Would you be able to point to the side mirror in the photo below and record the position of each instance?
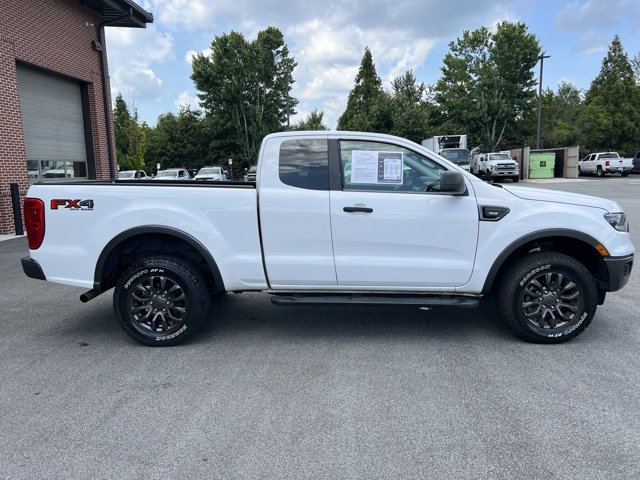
(453, 183)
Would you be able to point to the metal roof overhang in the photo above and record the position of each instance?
(120, 13)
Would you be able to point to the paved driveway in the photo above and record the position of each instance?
(268, 392)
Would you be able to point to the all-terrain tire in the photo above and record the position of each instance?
(547, 297)
(161, 301)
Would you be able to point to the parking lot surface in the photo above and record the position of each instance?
(335, 393)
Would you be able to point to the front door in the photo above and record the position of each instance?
(392, 228)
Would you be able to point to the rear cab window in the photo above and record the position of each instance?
(304, 163)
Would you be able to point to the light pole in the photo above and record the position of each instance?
(541, 58)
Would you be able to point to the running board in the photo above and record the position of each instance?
(336, 300)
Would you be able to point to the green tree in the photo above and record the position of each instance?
(122, 131)
(313, 121)
(560, 112)
(487, 86)
(246, 87)
(368, 107)
(410, 109)
(611, 115)
(178, 141)
(635, 64)
(130, 136)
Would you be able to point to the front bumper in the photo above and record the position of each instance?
(619, 270)
(32, 269)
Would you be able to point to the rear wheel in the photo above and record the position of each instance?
(600, 172)
(624, 174)
(547, 297)
(161, 301)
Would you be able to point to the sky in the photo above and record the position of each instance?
(151, 67)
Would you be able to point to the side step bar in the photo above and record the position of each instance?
(336, 300)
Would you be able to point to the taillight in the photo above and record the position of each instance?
(34, 221)
(607, 163)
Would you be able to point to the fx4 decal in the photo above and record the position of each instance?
(71, 204)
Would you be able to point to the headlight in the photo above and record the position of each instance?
(617, 221)
(492, 166)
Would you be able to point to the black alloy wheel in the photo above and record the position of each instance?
(161, 301)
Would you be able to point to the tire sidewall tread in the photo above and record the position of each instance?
(508, 291)
(193, 284)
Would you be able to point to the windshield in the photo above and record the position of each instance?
(499, 156)
(458, 156)
(210, 171)
(122, 175)
(166, 173)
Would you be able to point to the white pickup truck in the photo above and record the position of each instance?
(335, 218)
(605, 162)
(494, 165)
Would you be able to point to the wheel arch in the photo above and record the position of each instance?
(131, 245)
(575, 244)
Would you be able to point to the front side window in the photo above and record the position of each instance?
(384, 167)
(304, 163)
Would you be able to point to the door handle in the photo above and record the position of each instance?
(358, 209)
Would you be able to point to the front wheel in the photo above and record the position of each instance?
(161, 301)
(547, 297)
(515, 179)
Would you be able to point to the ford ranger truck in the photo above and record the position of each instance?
(335, 218)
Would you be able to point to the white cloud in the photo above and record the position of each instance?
(131, 53)
(187, 98)
(191, 14)
(188, 57)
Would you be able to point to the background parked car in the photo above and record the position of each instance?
(132, 175)
(636, 163)
(173, 174)
(215, 174)
(250, 176)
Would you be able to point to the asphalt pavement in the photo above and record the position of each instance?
(325, 393)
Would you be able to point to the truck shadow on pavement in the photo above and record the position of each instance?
(253, 314)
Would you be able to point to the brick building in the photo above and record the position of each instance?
(55, 103)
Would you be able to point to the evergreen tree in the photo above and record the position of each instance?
(368, 107)
(122, 131)
(611, 115)
(313, 121)
(410, 109)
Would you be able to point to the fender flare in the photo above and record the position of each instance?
(157, 229)
(516, 244)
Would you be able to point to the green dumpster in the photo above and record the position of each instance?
(541, 165)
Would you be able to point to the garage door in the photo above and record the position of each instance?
(53, 125)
